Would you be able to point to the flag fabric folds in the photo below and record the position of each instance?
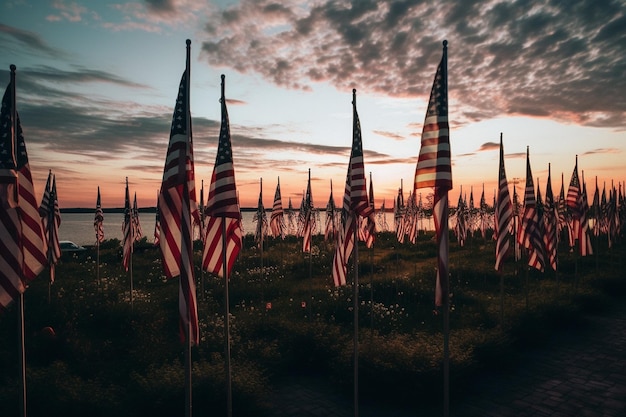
(98, 220)
(23, 252)
(308, 221)
(223, 205)
(504, 214)
(434, 168)
(137, 232)
(550, 219)
(51, 220)
(330, 231)
(260, 217)
(177, 204)
(157, 224)
(127, 231)
(355, 202)
(529, 234)
(573, 202)
(277, 221)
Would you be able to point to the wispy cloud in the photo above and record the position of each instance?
(600, 151)
(27, 39)
(505, 58)
(390, 135)
(489, 146)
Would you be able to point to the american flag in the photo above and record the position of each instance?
(177, 204)
(369, 226)
(504, 214)
(98, 220)
(529, 234)
(355, 201)
(222, 206)
(260, 217)
(127, 230)
(461, 221)
(277, 221)
(51, 220)
(573, 204)
(157, 223)
(331, 225)
(23, 249)
(434, 167)
(584, 240)
(550, 236)
(137, 232)
(308, 218)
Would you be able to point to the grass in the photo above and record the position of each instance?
(107, 358)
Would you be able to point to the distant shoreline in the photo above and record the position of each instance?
(121, 210)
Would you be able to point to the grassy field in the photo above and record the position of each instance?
(108, 359)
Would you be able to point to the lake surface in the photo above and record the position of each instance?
(78, 227)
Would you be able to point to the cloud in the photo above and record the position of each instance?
(489, 146)
(390, 135)
(28, 39)
(602, 151)
(552, 59)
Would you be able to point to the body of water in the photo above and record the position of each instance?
(78, 227)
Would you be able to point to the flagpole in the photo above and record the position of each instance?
(229, 397)
(355, 307)
(202, 238)
(310, 221)
(20, 323)
(229, 394)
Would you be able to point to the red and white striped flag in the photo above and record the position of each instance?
(550, 236)
(223, 205)
(137, 232)
(504, 214)
(369, 225)
(529, 234)
(573, 204)
(584, 238)
(127, 231)
(23, 249)
(434, 168)
(98, 220)
(331, 225)
(307, 216)
(260, 217)
(355, 201)
(50, 221)
(157, 224)
(277, 221)
(177, 203)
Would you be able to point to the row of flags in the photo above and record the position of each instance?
(28, 232)
(538, 229)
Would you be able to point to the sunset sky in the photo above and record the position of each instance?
(97, 83)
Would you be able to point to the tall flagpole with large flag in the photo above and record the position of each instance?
(21, 234)
(177, 205)
(355, 204)
(224, 234)
(434, 169)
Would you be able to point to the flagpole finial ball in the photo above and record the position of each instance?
(13, 67)
(445, 43)
(354, 91)
(223, 76)
(188, 42)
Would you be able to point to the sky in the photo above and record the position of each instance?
(97, 83)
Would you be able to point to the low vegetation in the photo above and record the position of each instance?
(90, 352)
